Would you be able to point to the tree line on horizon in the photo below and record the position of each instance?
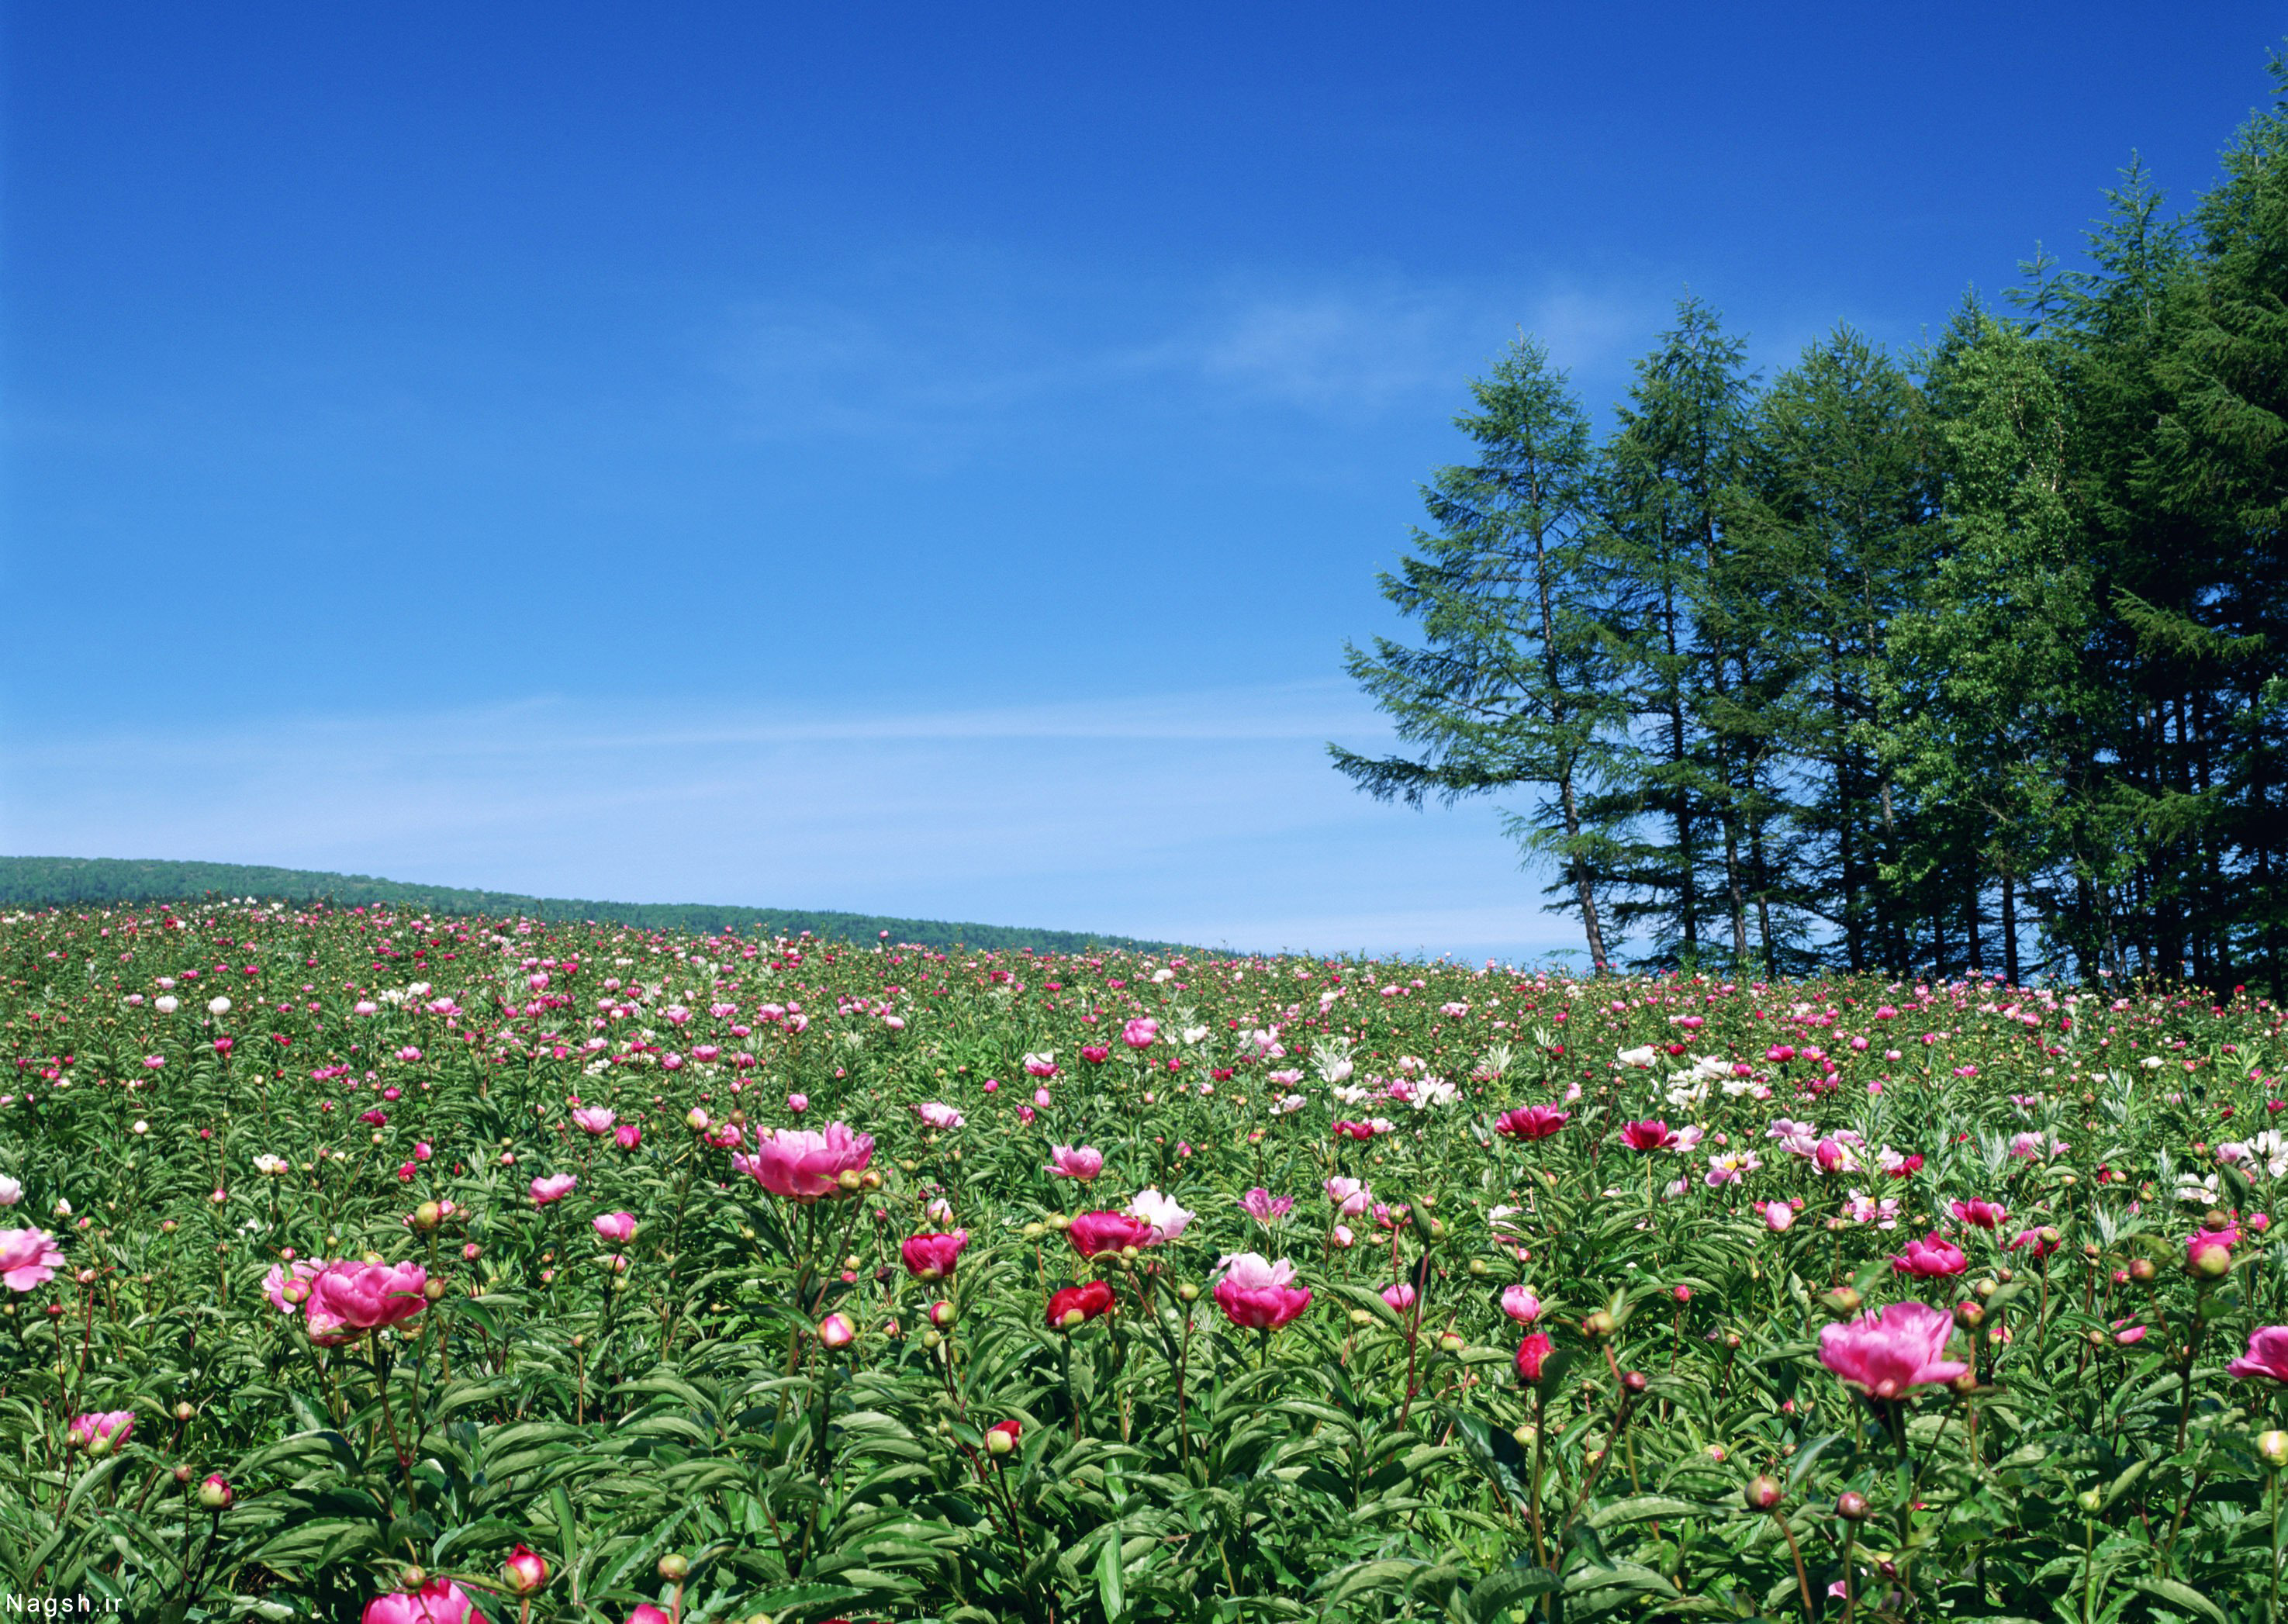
(57, 881)
(1970, 660)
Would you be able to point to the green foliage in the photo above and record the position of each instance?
(660, 1421)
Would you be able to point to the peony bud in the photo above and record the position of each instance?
(215, 1493)
(2273, 1446)
(674, 1568)
(836, 1331)
(1762, 1492)
(525, 1571)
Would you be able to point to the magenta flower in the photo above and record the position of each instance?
(1141, 1033)
(930, 1257)
(440, 1601)
(1930, 1257)
(1081, 1162)
(555, 1187)
(802, 1165)
(2267, 1355)
(1529, 1122)
(355, 1298)
(1260, 1205)
(1883, 1355)
(275, 1282)
(28, 1257)
(593, 1119)
(1399, 1295)
(102, 1432)
(614, 1226)
(1532, 1354)
(1094, 1233)
(1985, 1214)
(627, 1136)
(1257, 1294)
(1519, 1303)
(1654, 1135)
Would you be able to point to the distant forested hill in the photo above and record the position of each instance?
(58, 881)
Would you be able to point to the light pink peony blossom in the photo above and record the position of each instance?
(28, 1257)
(1260, 1205)
(614, 1226)
(1081, 1162)
(1883, 1355)
(1519, 1303)
(937, 1114)
(802, 1164)
(101, 1432)
(1929, 1257)
(555, 1187)
(593, 1119)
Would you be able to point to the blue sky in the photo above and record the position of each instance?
(898, 458)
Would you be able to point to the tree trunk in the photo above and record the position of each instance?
(2009, 928)
(1582, 889)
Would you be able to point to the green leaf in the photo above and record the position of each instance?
(1641, 1507)
(1108, 1591)
(2178, 1595)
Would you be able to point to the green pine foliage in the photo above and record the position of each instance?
(1975, 659)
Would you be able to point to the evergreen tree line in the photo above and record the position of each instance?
(1973, 660)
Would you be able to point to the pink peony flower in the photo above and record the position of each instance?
(593, 1119)
(1985, 1214)
(2267, 1355)
(28, 1257)
(1081, 1162)
(356, 1297)
(1168, 1220)
(937, 1114)
(555, 1187)
(930, 1257)
(614, 1226)
(627, 1136)
(1094, 1233)
(1883, 1355)
(440, 1601)
(1529, 1122)
(1257, 1294)
(803, 1165)
(1141, 1033)
(1399, 1295)
(1350, 1196)
(1519, 1303)
(102, 1432)
(1930, 1257)
(1778, 1216)
(1654, 1135)
(1260, 1205)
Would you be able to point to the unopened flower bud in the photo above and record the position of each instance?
(1851, 1505)
(2090, 1500)
(674, 1568)
(2142, 1270)
(2273, 1446)
(1762, 1492)
(1969, 1315)
(184, 1409)
(1634, 1380)
(215, 1493)
(1188, 1292)
(1599, 1324)
(941, 1312)
(182, 1472)
(427, 1216)
(1842, 1300)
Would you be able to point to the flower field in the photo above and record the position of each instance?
(361, 1264)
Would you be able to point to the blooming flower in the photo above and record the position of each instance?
(28, 1257)
(614, 1226)
(1653, 1135)
(1530, 1122)
(930, 1257)
(1075, 1305)
(555, 1187)
(1260, 1205)
(1350, 1196)
(1985, 1214)
(101, 1432)
(355, 1298)
(937, 1114)
(1168, 1220)
(1081, 1162)
(1399, 1295)
(1257, 1294)
(2267, 1355)
(1519, 1303)
(1884, 1355)
(1094, 1233)
(1930, 1257)
(592, 1120)
(803, 1165)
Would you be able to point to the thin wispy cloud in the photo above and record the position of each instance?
(963, 358)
